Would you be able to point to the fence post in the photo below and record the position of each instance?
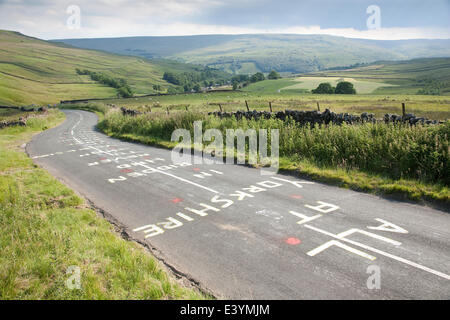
(246, 104)
(270, 106)
(318, 106)
(167, 110)
(187, 108)
(220, 107)
(403, 109)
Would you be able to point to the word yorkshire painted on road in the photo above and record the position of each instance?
(235, 147)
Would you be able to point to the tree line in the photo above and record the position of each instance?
(243, 80)
(123, 89)
(194, 81)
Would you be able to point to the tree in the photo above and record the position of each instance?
(324, 88)
(125, 92)
(240, 78)
(345, 87)
(188, 87)
(197, 87)
(173, 90)
(172, 78)
(273, 75)
(257, 77)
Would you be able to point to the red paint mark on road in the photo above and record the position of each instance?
(196, 169)
(176, 200)
(126, 170)
(296, 196)
(147, 157)
(102, 159)
(293, 241)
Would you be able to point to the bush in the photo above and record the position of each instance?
(345, 87)
(273, 75)
(257, 77)
(324, 88)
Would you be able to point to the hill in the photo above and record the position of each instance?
(416, 76)
(34, 71)
(281, 52)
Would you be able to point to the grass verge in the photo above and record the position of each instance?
(46, 228)
(99, 109)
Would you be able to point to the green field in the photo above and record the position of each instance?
(402, 77)
(305, 84)
(380, 89)
(433, 107)
(361, 86)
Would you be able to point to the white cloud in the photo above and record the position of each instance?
(116, 29)
(115, 18)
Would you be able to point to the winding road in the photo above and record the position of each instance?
(243, 235)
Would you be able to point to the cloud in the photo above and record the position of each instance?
(47, 19)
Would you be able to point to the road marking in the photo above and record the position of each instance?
(400, 259)
(185, 217)
(181, 179)
(202, 175)
(293, 241)
(202, 212)
(388, 226)
(336, 243)
(369, 234)
(305, 218)
(323, 207)
(217, 199)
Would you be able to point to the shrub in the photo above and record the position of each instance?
(345, 87)
(324, 88)
(273, 75)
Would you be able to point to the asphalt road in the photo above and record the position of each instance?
(243, 235)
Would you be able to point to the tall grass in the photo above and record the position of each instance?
(395, 151)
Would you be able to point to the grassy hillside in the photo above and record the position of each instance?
(429, 76)
(307, 83)
(34, 71)
(403, 77)
(284, 53)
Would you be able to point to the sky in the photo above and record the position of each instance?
(372, 19)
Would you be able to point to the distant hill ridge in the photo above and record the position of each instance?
(264, 52)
